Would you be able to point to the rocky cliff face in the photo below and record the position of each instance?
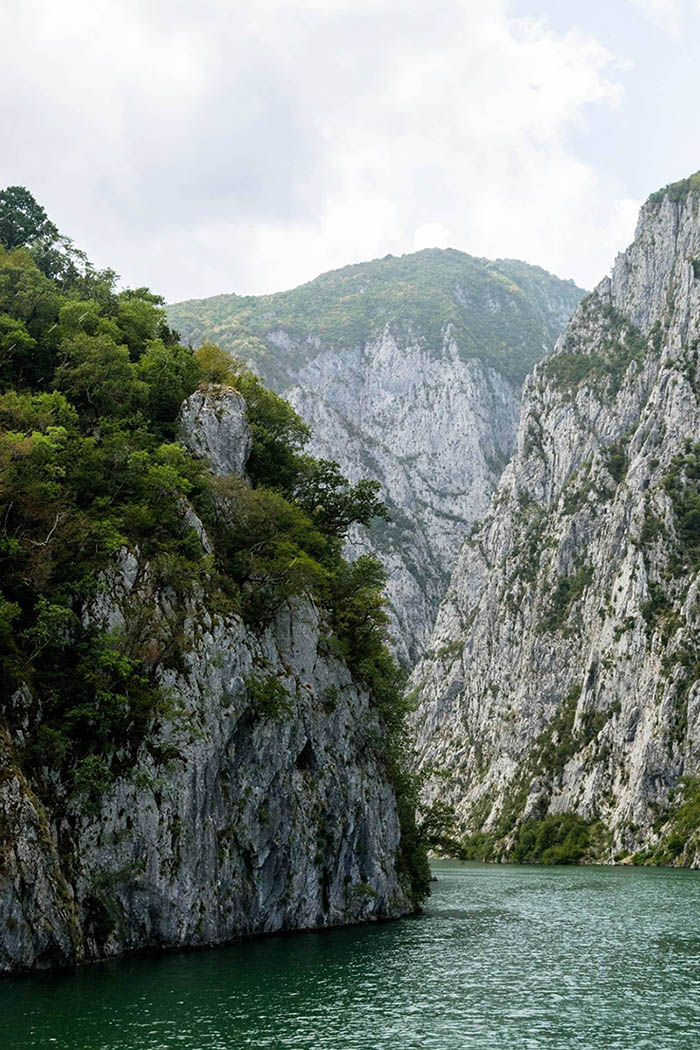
(563, 673)
(408, 371)
(256, 803)
(435, 431)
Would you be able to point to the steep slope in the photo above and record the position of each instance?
(202, 732)
(561, 688)
(409, 371)
(258, 803)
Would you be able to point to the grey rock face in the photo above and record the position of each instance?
(408, 371)
(213, 425)
(435, 430)
(258, 802)
(37, 907)
(563, 670)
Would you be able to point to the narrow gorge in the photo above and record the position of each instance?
(408, 370)
(203, 730)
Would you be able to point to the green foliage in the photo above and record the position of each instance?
(616, 460)
(655, 606)
(676, 191)
(481, 845)
(438, 827)
(359, 620)
(560, 838)
(567, 592)
(333, 502)
(568, 369)
(22, 220)
(88, 390)
(170, 374)
(574, 365)
(268, 697)
(279, 434)
(682, 831)
(91, 778)
(216, 365)
(678, 828)
(557, 743)
(423, 293)
(528, 552)
(267, 545)
(91, 382)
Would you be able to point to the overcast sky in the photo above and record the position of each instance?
(249, 145)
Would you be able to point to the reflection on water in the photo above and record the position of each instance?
(505, 957)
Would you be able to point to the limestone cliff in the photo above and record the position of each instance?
(257, 801)
(408, 371)
(564, 671)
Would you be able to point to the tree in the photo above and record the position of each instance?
(332, 501)
(171, 374)
(16, 350)
(97, 377)
(217, 366)
(23, 221)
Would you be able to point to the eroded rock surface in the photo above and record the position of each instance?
(563, 670)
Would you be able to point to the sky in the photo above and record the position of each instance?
(248, 146)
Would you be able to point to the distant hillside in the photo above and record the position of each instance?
(422, 293)
(408, 370)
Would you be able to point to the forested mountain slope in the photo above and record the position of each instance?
(561, 693)
(409, 371)
(201, 728)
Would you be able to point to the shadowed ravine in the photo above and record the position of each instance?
(503, 957)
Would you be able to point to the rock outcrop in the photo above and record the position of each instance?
(257, 802)
(408, 371)
(214, 425)
(563, 672)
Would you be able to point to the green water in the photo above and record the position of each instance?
(505, 957)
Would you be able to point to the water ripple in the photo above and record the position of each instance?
(505, 958)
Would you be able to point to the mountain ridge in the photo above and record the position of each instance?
(407, 370)
(397, 277)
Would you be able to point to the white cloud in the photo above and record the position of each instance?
(248, 147)
(665, 13)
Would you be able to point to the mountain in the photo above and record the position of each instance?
(408, 370)
(201, 728)
(560, 696)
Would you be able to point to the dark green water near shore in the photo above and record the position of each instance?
(505, 957)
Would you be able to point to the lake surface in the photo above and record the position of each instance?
(518, 958)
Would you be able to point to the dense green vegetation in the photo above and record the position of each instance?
(496, 311)
(574, 364)
(91, 383)
(560, 838)
(676, 191)
(616, 460)
(678, 828)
